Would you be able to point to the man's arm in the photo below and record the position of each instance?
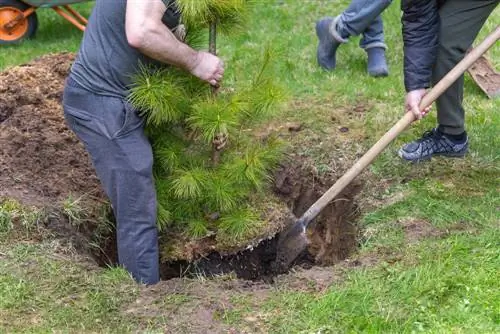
(147, 33)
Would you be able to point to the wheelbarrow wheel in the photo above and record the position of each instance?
(26, 28)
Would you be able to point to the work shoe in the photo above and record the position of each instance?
(327, 45)
(434, 142)
(377, 64)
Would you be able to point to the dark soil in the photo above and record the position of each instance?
(41, 161)
(333, 235)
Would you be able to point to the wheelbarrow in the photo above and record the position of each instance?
(18, 19)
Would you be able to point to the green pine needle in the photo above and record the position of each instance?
(213, 117)
(262, 98)
(168, 150)
(229, 14)
(194, 12)
(263, 101)
(197, 228)
(256, 163)
(160, 95)
(221, 194)
(164, 218)
(237, 224)
(188, 184)
(196, 37)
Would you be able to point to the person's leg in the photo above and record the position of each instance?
(122, 156)
(353, 21)
(374, 45)
(461, 21)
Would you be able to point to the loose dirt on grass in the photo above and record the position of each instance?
(205, 305)
(416, 230)
(41, 161)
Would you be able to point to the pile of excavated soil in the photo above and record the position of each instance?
(41, 160)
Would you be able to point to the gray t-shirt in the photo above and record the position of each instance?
(106, 62)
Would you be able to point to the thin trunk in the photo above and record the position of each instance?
(212, 48)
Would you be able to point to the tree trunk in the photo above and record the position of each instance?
(212, 48)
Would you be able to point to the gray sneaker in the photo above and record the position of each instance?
(432, 143)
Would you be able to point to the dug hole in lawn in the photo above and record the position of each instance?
(42, 163)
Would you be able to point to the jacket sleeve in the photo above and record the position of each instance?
(420, 23)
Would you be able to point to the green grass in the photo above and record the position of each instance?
(441, 284)
(446, 286)
(48, 292)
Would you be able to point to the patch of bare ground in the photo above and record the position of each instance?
(201, 305)
(416, 230)
(193, 305)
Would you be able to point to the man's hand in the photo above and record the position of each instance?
(412, 103)
(146, 32)
(208, 68)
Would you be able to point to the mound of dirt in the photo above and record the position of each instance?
(41, 160)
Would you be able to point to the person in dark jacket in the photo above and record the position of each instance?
(436, 35)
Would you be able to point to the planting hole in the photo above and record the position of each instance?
(332, 235)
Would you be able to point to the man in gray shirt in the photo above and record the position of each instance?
(120, 35)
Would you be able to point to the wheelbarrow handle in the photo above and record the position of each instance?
(400, 126)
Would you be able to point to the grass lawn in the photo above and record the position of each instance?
(432, 228)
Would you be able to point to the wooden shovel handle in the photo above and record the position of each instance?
(399, 127)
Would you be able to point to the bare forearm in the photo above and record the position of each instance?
(150, 36)
(147, 33)
(162, 45)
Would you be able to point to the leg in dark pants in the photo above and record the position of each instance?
(114, 136)
(461, 21)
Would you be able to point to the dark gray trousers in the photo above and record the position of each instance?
(461, 21)
(113, 134)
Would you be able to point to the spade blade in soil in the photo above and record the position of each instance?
(291, 243)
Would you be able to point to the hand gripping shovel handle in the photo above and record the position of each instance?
(399, 127)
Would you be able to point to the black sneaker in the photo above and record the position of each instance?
(432, 143)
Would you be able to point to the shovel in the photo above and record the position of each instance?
(293, 240)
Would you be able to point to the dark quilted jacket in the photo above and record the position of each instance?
(420, 36)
